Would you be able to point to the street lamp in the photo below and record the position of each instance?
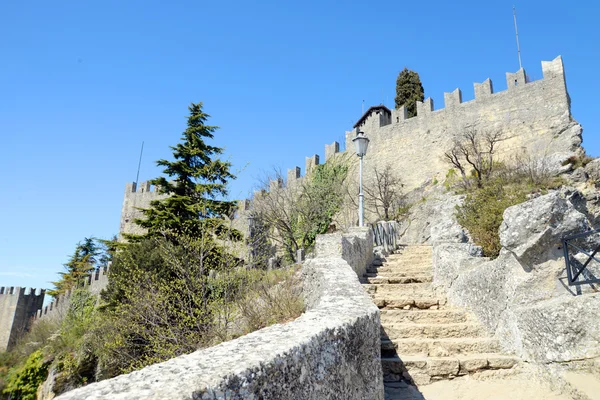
(361, 142)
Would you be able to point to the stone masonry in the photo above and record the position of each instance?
(136, 197)
(17, 306)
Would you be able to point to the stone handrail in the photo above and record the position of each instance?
(330, 352)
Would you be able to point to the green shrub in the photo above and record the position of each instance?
(23, 381)
(578, 161)
(482, 210)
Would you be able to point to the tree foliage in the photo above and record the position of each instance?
(409, 90)
(195, 182)
(89, 254)
(294, 215)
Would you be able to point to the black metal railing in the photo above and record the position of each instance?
(580, 252)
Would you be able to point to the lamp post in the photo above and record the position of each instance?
(361, 142)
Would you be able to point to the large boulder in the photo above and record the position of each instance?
(533, 230)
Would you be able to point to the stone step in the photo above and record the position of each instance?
(423, 316)
(433, 331)
(422, 370)
(399, 288)
(439, 347)
(407, 302)
(395, 278)
(401, 391)
(406, 270)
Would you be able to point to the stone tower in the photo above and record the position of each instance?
(136, 197)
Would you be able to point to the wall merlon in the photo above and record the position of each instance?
(275, 184)
(453, 98)
(331, 150)
(399, 115)
(293, 174)
(425, 107)
(242, 205)
(553, 68)
(514, 80)
(484, 89)
(311, 162)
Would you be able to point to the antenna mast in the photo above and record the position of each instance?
(139, 164)
(517, 33)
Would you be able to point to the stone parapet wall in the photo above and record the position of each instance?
(330, 352)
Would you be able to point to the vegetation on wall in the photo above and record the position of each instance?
(294, 215)
(491, 186)
(409, 90)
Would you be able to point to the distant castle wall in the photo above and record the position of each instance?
(94, 283)
(136, 197)
(17, 306)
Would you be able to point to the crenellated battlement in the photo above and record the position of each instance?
(143, 187)
(516, 81)
(137, 197)
(21, 291)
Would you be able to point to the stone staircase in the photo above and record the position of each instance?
(423, 339)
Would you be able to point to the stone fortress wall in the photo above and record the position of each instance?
(94, 283)
(534, 117)
(136, 197)
(17, 306)
(332, 351)
(20, 307)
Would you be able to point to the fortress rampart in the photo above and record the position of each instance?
(533, 116)
(17, 306)
(94, 283)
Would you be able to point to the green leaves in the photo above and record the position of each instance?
(409, 90)
(196, 185)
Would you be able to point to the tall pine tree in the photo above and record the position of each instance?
(409, 90)
(196, 185)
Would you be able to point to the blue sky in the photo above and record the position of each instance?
(82, 84)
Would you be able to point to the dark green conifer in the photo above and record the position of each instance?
(409, 90)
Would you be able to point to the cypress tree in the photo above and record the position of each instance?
(409, 90)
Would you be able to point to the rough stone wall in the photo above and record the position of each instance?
(57, 309)
(534, 116)
(17, 307)
(330, 352)
(136, 196)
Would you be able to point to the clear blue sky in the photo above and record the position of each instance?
(83, 83)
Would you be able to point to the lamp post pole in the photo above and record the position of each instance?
(362, 143)
(361, 195)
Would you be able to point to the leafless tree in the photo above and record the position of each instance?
(384, 191)
(475, 149)
(294, 214)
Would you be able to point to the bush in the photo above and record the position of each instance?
(23, 381)
(482, 210)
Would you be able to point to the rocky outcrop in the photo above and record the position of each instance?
(330, 352)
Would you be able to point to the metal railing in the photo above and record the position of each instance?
(385, 233)
(578, 270)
